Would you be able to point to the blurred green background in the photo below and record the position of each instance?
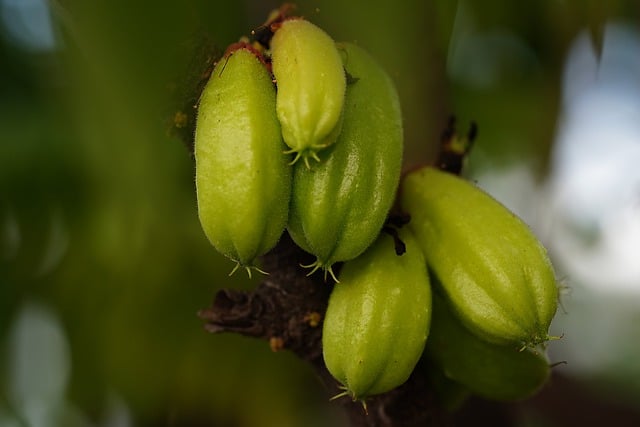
(103, 265)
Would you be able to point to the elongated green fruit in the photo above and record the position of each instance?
(339, 206)
(243, 180)
(492, 371)
(378, 318)
(493, 270)
(311, 86)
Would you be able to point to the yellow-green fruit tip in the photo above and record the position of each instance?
(316, 265)
(346, 392)
(306, 154)
(248, 269)
(364, 406)
(538, 342)
(329, 270)
(339, 395)
(234, 269)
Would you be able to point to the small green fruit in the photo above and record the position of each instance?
(339, 206)
(311, 85)
(243, 181)
(378, 318)
(492, 371)
(493, 270)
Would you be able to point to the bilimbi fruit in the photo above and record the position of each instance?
(378, 317)
(243, 180)
(496, 372)
(339, 206)
(311, 87)
(492, 269)
(297, 131)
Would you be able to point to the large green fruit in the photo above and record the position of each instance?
(492, 371)
(311, 86)
(378, 318)
(243, 180)
(339, 206)
(493, 270)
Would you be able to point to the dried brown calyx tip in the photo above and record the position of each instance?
(264, 32)
(454, 148)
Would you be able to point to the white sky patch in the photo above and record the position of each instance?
(28, 23)
(594, 185)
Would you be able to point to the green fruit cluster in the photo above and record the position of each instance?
(305, 134)
(495, 292)
(261, 111)
(494, 296)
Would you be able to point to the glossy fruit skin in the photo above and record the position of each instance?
(493, 270)
(378, 316)
(243, 180)
(492, 371)
(339, 206)
(311, 86)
